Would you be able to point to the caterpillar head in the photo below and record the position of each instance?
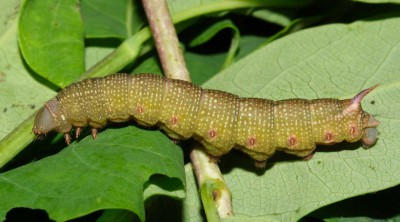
(50, 117)
(361, 125)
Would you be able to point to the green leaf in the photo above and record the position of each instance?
(334, 61)
(110, 172)
(274, 16)
(51, 39)
(181, 6)
(116, 19)
(94, 54)
(15, 104)
(211, 31)
(196, 62)
(149, 65)
(203, 66)
(329, 61)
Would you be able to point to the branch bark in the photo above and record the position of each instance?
(166, 39)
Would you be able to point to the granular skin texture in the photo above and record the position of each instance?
(217, 119)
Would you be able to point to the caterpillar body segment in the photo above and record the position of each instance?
(180, 108)
(217, 119)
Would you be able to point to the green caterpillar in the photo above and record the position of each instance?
(217, 119)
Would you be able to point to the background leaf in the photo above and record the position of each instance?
(115, 19)
(109, 172)
(334, 61)
(328, 61)
(51, 39)
(210, 32)
(20, 92)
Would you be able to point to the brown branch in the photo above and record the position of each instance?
(165, 39)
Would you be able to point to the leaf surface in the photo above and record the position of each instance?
(20, 92)
(110, 172)
(334, 61)
(51, 39)
(115, 19)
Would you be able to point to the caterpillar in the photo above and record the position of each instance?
(217, 119)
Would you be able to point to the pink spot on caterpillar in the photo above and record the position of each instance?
(174, 120)
(140, 109)
(212, 134)
(292, 141)
(328, 137)
(353, 130)
(251, 141)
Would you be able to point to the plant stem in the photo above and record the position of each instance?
(14, 143)
(174, 66)
(166, 40)
(127, 52)
(212, 185)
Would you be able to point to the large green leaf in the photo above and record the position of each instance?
(110, 172)
(329, 61)
(51, 39)
(334, 61)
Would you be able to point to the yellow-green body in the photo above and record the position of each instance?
(217, 119)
